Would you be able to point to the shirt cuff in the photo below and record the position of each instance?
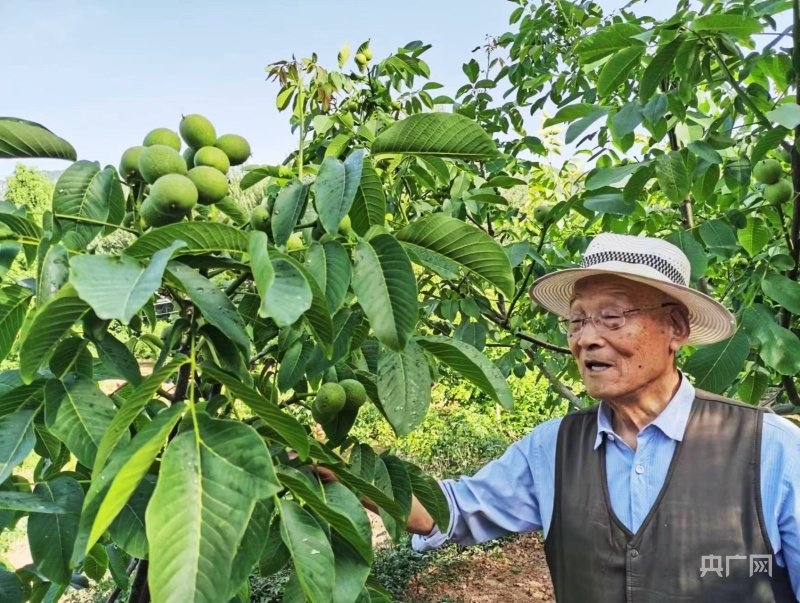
(433, 540)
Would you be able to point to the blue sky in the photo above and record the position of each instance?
(102, 74)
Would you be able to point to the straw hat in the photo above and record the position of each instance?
(645, 260)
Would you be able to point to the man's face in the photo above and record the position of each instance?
(618, 364)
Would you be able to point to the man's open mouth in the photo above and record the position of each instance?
(596, 366)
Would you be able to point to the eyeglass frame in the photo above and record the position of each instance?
(566, 323)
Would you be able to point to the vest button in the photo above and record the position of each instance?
(634, 553)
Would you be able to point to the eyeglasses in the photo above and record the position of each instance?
(609, 319)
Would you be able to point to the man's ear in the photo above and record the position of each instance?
(679, 321)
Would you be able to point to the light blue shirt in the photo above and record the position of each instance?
(515, 492)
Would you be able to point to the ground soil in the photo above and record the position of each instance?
(515, 571)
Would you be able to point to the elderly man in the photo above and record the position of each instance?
(662, 492)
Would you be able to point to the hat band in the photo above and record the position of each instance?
(653, 261)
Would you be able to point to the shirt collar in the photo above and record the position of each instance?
(672, 420)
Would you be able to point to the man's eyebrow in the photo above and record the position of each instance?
(614, 291)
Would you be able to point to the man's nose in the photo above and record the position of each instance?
(589, 335)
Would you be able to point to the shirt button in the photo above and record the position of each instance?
(634, 553)
(611, 437)
(639, 469)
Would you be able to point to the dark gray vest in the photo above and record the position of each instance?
(702, 537)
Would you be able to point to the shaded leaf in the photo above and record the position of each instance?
(404, 387)
(200, 238)
(714, 367)
(290, 205)
(24, 139)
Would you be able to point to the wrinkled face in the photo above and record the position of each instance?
(626, 362)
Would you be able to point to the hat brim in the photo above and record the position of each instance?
(709, 320)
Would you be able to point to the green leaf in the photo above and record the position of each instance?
(10, 587)
(386, 287)
(23, 396)
(576, 111)
(128, 531)
(51, 536)
(369, 205)
(117, 288)
(693, 250)
(427, 491)
(607, 41)
(286, 425)
(754, 236)
(714, 367)
(293, 364)
(335, 188)
(29, 503)
(383, 481)
(302, 491)
(329, 264)
(208, 485)
(470, 363)
(78, 413)
(471, 248)
(117, 359)
(96, 563)
(130, 407)
(23, 139)
(318, 314)
(609, 200)
(252, 544)
(672, 175)
(785, 292)
(82, 200)
(261, 266)
(17, 439)
(779, 347)
(289, 295)
(289, 207)
(786, 115)
(579, 127)
(616, 70)
(704, 187)
(704, 150)
(738, 26)
(53, 274)
(310, 550)
(200, 238)
(215, 306)
(717, 235)
(605, 176)
(404, 387)
(441, 134)
(49, 325)
(770, 139)
(229, 207)
(658, 69)
(110, 491)
(627, 119)
(14, 301)
(752, 387)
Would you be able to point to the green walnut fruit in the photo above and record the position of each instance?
(345, 226)
(188, 156)
(212, 157)
(197, 131)
(355, 394)
(211, 184)
(768, 171)
(779, 192)
(541, 213)
(235, 147)
(519, 370)
(397, 105)
(295, 242)
(129, 164)
(160, 160)
(328, 402)
(154, 216)
(163, 136)
(259, 219)
(367, 53)
(361, 58)
(174, 193)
